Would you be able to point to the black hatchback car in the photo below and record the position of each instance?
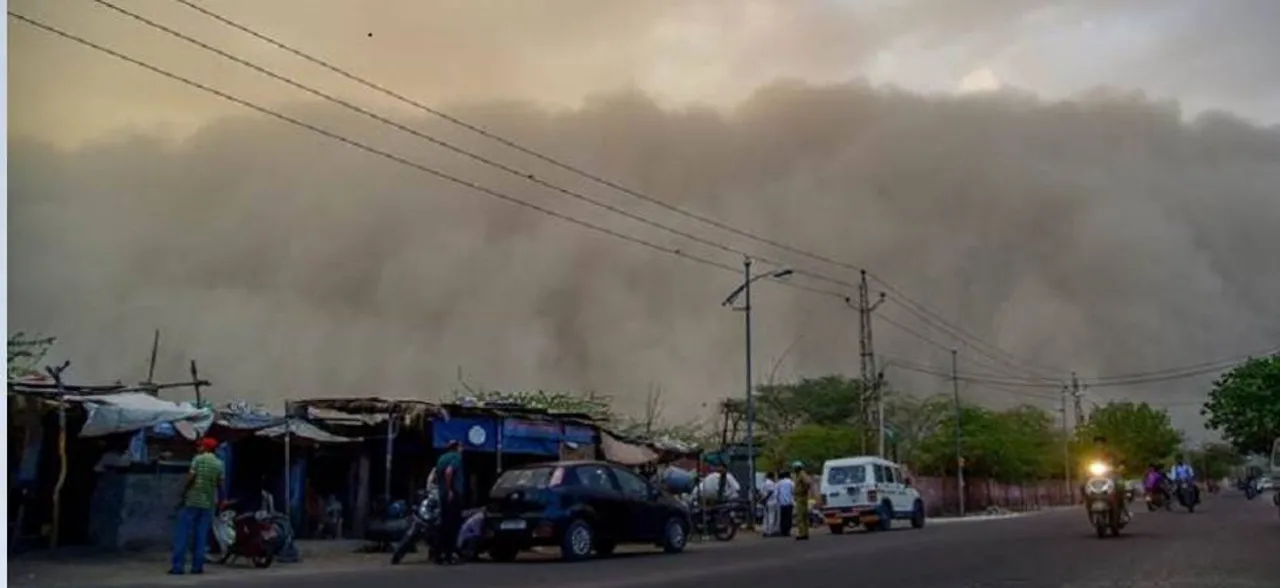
(580, 507)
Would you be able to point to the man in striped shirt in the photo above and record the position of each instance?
(199, 498)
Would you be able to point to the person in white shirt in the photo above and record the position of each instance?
(769, 496)
(786, 491)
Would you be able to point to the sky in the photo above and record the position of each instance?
(1088, 183)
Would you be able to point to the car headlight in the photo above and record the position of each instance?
(1098, 468)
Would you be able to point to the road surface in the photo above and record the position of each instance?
(1228, 543)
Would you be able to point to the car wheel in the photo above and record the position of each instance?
(503, 553)
(577, 541)
(674, 536)
(917, 515)
(886, 516)
(836, 529)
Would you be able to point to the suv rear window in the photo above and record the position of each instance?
(523, 479)
(841, 475)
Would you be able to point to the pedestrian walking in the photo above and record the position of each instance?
(195, 514)
(786, 504)
(769, 498)
(452, 483)
(803, 493)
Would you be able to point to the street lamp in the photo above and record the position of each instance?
(744, 290)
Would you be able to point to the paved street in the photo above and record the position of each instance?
(1231, 543)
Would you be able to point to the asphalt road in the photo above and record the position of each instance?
(1227, 543)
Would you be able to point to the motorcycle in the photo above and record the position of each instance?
(1251, 488)
(719, 521)
(424, 522)
(1105, 501)
(1159, 498)
(1187, 495)
(258, 536)
(424, 526)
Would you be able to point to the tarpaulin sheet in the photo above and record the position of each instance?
(619, 451)
(132, 411)
(531, 437)
(303, 429)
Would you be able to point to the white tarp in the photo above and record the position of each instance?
(128, 412)
(619, 451)
(304, 430)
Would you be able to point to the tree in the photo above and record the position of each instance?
(25, 355)
(826, 401)
(1014, 445)
(1245, 405)
(1136, 432)
(812, 444)
(914, 420)
(1215, 460)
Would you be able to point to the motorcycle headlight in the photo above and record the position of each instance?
(1098, 468)
(424, 512)
(1100, 486)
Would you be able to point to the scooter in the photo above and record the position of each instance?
(1104, 501)
(258, 536)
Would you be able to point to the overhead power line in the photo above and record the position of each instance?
(522, 174)
(391, 156)
(971, 341)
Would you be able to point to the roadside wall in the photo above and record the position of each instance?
(941, 498)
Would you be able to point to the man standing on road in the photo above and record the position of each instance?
(195, 516)
(803, 491)
(786, 504)
(769, 498)
(452, 485)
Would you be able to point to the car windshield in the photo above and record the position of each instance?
(842, 475)
(523, 479)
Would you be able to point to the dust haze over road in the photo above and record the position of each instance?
(1107, 233)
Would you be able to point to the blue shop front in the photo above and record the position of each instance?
(493, 441)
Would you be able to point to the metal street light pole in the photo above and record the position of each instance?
(745, 291)
(751, 397)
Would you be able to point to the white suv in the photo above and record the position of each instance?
(870, 492)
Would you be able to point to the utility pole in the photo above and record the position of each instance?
(867, 365)
(745, 290)
(751, 397)
(1075, 393)
(1066, 447)
(955, 390)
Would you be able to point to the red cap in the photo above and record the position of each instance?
(208, 443)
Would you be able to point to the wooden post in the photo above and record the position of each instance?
(56, 374)
(386, 489)
(288, 460)
(195, 381)
(151, 366)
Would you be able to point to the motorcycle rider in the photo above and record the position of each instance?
(1103, 453)
(1156, 483)
(1183, 474)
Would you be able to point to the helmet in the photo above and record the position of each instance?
(796, 465)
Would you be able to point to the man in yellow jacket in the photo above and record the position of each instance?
(804, 491)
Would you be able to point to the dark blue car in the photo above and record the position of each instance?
(580, 507)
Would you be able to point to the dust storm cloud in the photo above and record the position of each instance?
(1102, 234)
